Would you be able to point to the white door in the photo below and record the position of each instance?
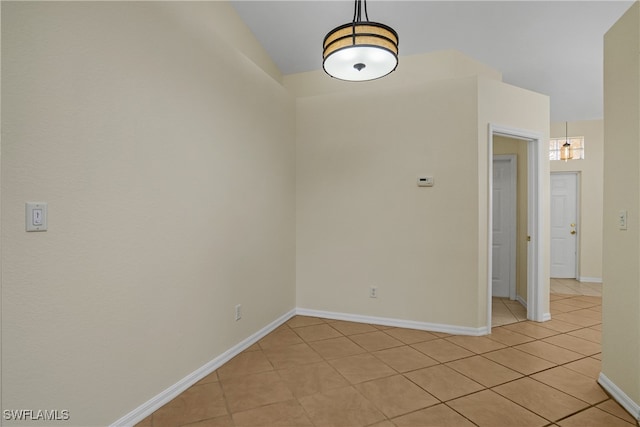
(564, 224)
(504, 226)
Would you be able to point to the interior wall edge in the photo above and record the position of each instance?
(619, 396)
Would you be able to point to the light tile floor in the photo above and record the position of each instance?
(505, 311)
(319, 372)
(573, 287)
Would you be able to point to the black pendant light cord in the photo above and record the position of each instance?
(357, 16)
(357, 12)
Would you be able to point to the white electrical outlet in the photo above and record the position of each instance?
(238, 312)
(373, 292)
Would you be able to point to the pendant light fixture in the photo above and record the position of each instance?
(360, 50)
(566, 153)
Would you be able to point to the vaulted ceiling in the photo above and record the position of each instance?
(550, 47)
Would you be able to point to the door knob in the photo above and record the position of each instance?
(573, 231)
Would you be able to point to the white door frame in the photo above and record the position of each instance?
(577, 219)
(513, 231)
(535, 255)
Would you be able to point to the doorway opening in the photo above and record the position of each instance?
(505, 222)
(534, 269)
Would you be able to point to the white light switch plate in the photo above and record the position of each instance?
(36, 216)
(622, 220)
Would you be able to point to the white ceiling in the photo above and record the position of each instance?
(551, 47)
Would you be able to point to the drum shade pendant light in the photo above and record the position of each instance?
(360, 50)
(566, 153)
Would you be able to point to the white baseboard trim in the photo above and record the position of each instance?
(155, 403)
(545, 316)
(620, 396)
(590, 279)
(399, 323)
(164, 397)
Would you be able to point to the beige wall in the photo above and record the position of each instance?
(621, 260)
(591, 194)
(361, 219)
(518, 147)
(167, 161)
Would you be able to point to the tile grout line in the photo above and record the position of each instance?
(410, 345)
(491, 388)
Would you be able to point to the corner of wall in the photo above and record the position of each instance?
(222, 19)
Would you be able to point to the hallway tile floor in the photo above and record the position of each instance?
(320, 372)
(505, 311)
(573, 287)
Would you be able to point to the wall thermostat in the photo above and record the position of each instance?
(425, 181)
